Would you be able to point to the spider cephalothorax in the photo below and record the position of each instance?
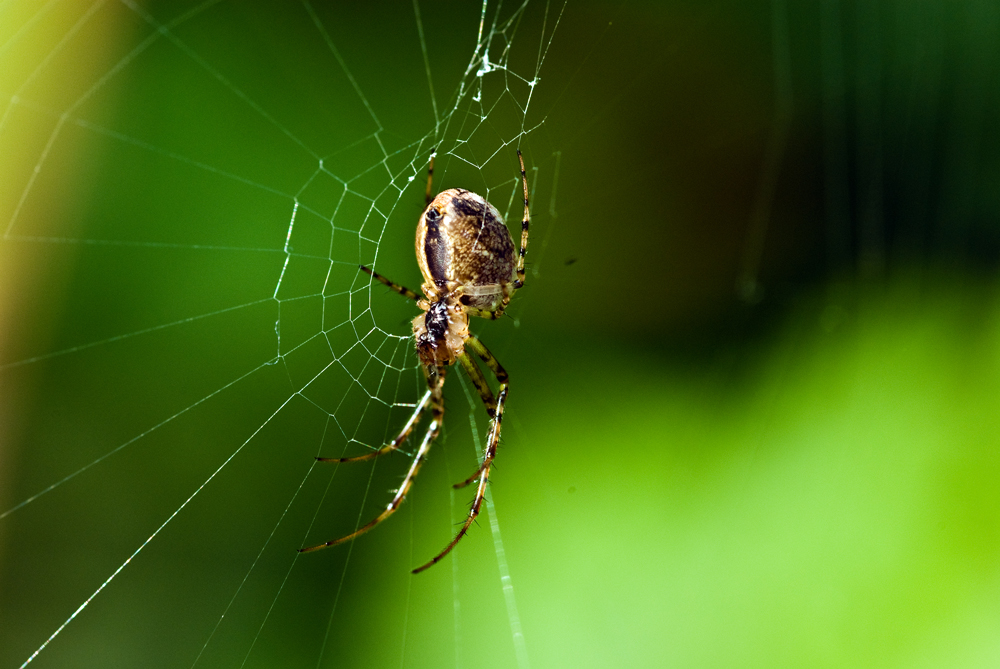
(466, 255)
(440, 333)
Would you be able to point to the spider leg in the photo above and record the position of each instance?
(397, 500)
(479, 381)
(430, 177)
(483, 473)
(484, 313)
(477, 502)
(405, 292)
(479, 348)
(435, 379)
(493, 407)
(395, 443)
(524, 228)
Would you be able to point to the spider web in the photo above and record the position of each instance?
(188, 193)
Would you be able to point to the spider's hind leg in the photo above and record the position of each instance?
(430, 178)
(525, 224)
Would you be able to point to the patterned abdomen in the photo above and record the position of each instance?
(463, 245)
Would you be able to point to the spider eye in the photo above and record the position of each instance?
(432, 215)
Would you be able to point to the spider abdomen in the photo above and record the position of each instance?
(464, 246)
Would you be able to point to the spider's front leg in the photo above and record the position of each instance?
(403, 435)
(492, 440)
(477, 501)
(435, 381)
(494, 407)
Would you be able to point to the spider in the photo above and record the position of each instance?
(466, 255)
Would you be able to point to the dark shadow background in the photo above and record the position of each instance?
(753, 414)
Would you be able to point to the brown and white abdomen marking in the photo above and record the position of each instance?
(463, 244)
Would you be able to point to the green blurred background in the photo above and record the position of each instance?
(753, 416)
